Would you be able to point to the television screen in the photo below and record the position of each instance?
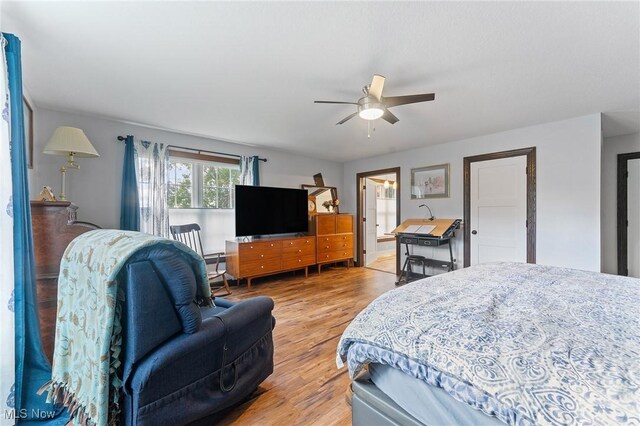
(262, 210)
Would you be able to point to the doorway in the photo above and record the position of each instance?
(629, 214)
(378, 213)
(499, 207)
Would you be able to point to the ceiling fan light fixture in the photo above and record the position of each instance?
(370, 108)
(372, 113)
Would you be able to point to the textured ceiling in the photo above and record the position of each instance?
(249, 72)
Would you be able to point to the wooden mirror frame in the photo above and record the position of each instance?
(334, 195)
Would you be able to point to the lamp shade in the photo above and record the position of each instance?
(67, 140)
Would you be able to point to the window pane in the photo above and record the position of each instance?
(180, 190)
(218, 182)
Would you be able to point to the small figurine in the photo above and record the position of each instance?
(46, 194)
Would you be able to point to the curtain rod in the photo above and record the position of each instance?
(122, 138)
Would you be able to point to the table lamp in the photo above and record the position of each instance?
(72, 143)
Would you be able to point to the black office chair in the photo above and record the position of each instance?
(189, 235)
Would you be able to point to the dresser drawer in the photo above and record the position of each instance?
(335, 256)
(326, 224)
(344, 223)
(260, 267)
(335, 245)
(337, 238)
(260, 250)
(298, 261)
(299, 246)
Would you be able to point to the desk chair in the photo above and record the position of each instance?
(189, 235)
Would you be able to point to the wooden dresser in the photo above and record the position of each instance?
(334, 236)
(54, 226)
(252, 258)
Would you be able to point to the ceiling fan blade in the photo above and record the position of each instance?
(377, 84)
(387, 116)
(335, 102)
(409, 99)
(347, 118)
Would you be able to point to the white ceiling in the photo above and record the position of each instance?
(249, 72)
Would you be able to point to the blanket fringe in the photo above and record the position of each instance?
(59, 394)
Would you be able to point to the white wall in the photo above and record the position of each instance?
(568, 185)
(96, 187)
(611, 147)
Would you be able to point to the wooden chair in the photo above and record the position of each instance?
(189, 235)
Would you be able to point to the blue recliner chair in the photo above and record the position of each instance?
(182, 362)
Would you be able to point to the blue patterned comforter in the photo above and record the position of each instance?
(528, 344)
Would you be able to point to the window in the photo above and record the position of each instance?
(198, 181)
(386, 211)
(180, 184)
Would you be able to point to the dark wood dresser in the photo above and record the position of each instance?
(54, 226)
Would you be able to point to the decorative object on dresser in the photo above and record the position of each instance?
(325, 196)
(70, 142)
(54, 226)
(334, 235)
(189, 235)
(46, 194)
(251, 258)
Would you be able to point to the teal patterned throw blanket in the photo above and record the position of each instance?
(88, 330)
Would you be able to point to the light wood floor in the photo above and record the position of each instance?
(306, 388)
(384, 263)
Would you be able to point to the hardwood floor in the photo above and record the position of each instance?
(306, 388)
(384, 263)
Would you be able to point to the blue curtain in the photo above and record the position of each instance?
(130, 204)
(256, 170)
(249, 170)
(32, 367)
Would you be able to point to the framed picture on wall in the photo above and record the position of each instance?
(28, 131)
(430, 182)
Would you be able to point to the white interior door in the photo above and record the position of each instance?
(499, 210)
(370, 225)
(633, 216)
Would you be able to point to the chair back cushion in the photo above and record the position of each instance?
(150, 316)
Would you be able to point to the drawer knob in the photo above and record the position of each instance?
(250, 246)
(326, 246)
(291, 243)
(271, 245)
(307, 241)
(327, 256)
(299, 260)
(299, 251)
(262, 255)
(261, 266)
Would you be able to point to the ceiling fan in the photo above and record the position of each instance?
(373, 105)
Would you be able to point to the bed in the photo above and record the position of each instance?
(498, 343)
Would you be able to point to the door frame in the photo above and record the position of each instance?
(531, 198)
(623, 173)
(360, 210)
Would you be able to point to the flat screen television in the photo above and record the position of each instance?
(263, 210)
